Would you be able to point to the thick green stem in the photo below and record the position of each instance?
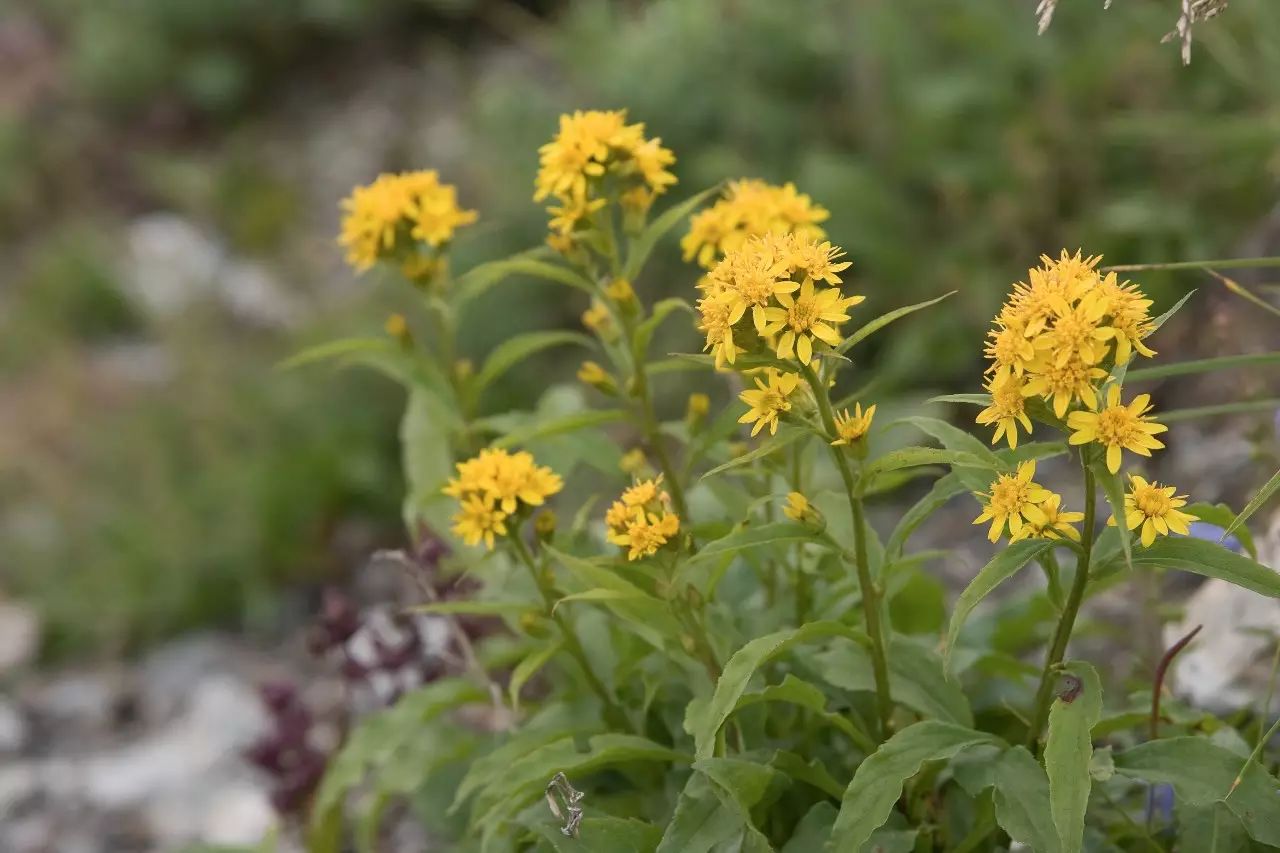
(1058, 648)
(571, 642)
(870, 592)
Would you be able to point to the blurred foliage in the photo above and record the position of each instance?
(951, 144)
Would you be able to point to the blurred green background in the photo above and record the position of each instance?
(169, 181)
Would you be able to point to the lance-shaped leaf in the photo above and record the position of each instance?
(1210, 560)
(1114, 491)
(878, 781)
(755, 537)
(744, 663)
(661, 311)
(516, 349)
(479, 279)
(1002, 567)
(785, 437)
(642, 246)
(561, 426)
(885, 319)
(1264, 494)
(1022, 801)
(942, 490)
(1068, 749)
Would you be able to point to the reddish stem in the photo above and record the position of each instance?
(1160, 673)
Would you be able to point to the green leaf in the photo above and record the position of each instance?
(1114, 490)
(746, 782)
(908, 457)
(526, 777)
(701, 821)
(916, 678)
(785, 436)
(491, 766)
(562, 425)
(1211, 829)
(813, 830)
(603, 835)
(1246, 407)
(967, 399)
(1202, 773)
(1022, 801)
(797, 691)
(650, 616)
(383, 355)
(755, 537)
(426, 458)
(642, 246)
(528, 668)
(1202, 365)
(479, 279)
(1223, 516)
(811, 772)
(920, 605)
(644, 332)
(943, 490)
(744, 663)
(1264, 494)
(954, 438)
(516, 349)
(1067, 752)
(885, 319)
(878, 781)
(1210, 560)
(1003, 566)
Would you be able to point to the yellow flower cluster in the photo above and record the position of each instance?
(641, 520)
(590, 146)
(491, 487)
(1056, 337)
(387, 217)
(850, 429)
(1026, 508)
(788, 284)
(750, 208)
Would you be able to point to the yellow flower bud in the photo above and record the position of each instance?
(398, 328)
(545, 525)
(621, 292)
(597, 377)
(463, 368)
(633, 461)
(696, 410)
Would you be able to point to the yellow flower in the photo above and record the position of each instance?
(1064, 384)
(396, 209)
(1008, 409)
(715, 313)
(620, 291)
(1077, 332)
(699, 406)
(798, 508)
(598, 319)
(589, 145)
(479, 519)
(750, 208)
(1155, 509)
(1009, 349)
(641, 519)
(768, 400)
(397, 327)
(852, 429)
(1056, 523)
(1014, 500)
(591, 373)
(633, 461)
(1117, 427)
(1130, 322)
(810, 315)
(493, 485)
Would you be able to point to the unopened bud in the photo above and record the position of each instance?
(621, 292)
(597, 377)
(633, 462)
(545, 525)
(799, 509)
(697, 409)
(397, 328)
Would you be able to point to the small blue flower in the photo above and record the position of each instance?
(1213, 533)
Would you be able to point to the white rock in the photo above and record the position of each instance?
(19, 635)
(13, 728)
(238, 816)
(172, 263)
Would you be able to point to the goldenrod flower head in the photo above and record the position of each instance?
(768, 400)
(589, 145)
(633, 461)
(750, 208)
(1117, 427)
(697, 409)
(641, 520)
(1008, 409)
(1014, 500)
(798, 508)
(1154, 508)
(620, 291)
(775, 279)
(1056, 523)
(493, 485)
(387, 215)
(1060, 332)
(851, 429)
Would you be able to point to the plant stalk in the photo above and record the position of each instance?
(572, 644)
(870, 592)
(1058, 648)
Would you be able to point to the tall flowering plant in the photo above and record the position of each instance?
(707, 645)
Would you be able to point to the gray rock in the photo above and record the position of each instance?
(13, 728)
(19, 635)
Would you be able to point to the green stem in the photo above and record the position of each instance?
(1054, 577)
(571, 642)
(652, 434)
(1271, 691)
(870, 592)
(1058, 648)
